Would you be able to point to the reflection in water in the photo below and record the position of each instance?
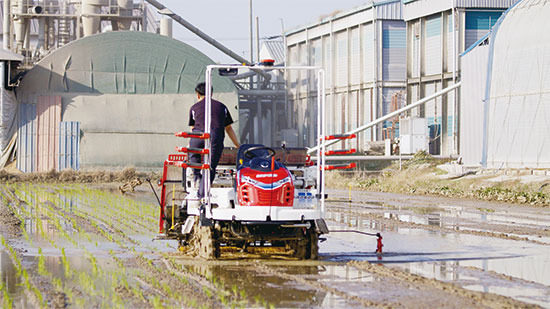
(11, 281)
(302, 289)
(445, 256)
(469, 275)
(279, 291)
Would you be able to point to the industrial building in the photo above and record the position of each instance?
(505, 100)
(437, 32)
(88, 95)
(363, 53)
(110, 102)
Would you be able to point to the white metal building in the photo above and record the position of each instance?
(363, 53)
(437, 32)
(505, 96)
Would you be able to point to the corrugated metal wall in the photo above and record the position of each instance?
(366, 116)
(341, 59)
(485, 3)
(432, 53)
(433, 48)
(518, 119)
(368, 52)
(348, 57)
(394, 50)
(44, 142)
(452, 124)
(48, 111)
(355, 57)
(414, 41)
(432, 110)
(478, 23)
(26, 138)
(69, 145)
(450, 46)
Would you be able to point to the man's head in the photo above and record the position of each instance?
(201, 90)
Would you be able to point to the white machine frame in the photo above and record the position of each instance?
(315, 197)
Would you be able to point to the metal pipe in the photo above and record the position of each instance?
(390, 115)
(198, 32)
(251, 34)
(6, 26)
(41, 35)
(379, 158)
(455, 99)
(257, 39)
(263, 92)
(375, 71)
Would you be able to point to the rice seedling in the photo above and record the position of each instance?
(42, 264)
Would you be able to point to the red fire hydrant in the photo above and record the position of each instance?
(379, 244)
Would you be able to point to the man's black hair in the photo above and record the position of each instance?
(201, 89)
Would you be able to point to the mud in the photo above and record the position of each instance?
(515, 222)
(89, 246)
(70, 176)
(432, 292)
(422, 176)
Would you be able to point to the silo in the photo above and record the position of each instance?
(90, 15)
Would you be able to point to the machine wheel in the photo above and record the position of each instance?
(205, 242)
(313, 244)
(299, 248)
(306, 249)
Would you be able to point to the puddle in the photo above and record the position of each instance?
(278, 291)
(534, 290)
(440, 255)
(11, 281)
(281, 292)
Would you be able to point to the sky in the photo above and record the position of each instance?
(227, 21)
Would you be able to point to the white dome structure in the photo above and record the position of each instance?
(506, 92)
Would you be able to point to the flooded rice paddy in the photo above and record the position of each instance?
(88, 246)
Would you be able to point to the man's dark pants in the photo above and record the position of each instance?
(216, 137)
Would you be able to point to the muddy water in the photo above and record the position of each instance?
(512, 268)
(505, 267)
(11, 282)
(421, 235)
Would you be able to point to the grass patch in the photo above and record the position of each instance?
(420, 176)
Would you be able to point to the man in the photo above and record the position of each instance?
(220, 124)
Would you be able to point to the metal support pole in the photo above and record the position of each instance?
(251, 34)
(207, 142)
(6, 26)
(321, 129)
(257, 39)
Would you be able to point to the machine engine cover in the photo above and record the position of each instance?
(260, 188)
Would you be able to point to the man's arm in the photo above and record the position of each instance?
(232, 135)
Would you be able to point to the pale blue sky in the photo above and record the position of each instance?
(228, 20)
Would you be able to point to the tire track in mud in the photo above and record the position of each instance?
(476, 299)
(385, 221)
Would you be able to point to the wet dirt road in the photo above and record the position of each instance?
(81, 246)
